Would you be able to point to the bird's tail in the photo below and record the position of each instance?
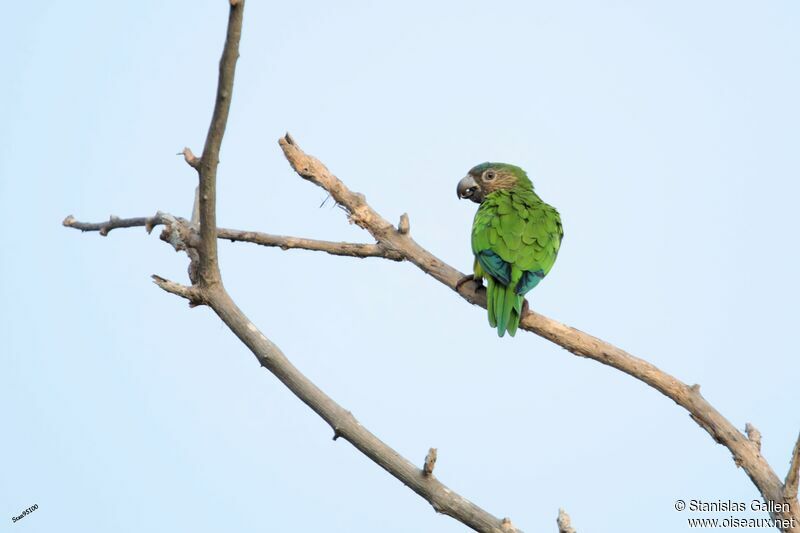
(504, 306)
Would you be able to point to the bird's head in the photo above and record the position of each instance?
(486, 178)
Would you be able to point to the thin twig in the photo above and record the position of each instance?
(287, 243)
(347, 249)
(191, 159)
(192, 294)
(114, 222)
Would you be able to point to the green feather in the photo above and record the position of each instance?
(490, 288)
(499, 308)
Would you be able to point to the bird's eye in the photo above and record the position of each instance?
(489, 176)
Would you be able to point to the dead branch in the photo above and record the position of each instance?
(745, 453)
(208, 269)
(347, 249)
(114, 222)
(345, 425)
(790, 486)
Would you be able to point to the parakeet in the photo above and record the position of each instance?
(515, 238)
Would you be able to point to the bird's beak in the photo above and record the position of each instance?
(468, 188)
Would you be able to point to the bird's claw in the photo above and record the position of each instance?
(465, 279)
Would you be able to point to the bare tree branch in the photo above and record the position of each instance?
(190, 293)
(790, 486)
(114, 222)
(348, 249)
(745, 453)
(564, 522)
(208, 269)
(345, 425)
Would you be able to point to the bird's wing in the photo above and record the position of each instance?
(516, 240)
(541, 239)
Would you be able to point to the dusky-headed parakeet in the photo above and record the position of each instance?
(515, 238)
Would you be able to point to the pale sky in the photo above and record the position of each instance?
(666, 133)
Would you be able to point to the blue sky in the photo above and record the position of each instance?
(665, 133)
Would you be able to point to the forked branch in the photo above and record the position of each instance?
(396, 243)
(207, 289)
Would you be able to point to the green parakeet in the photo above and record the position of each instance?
(515, 238)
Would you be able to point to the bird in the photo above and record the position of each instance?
(516, 237)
